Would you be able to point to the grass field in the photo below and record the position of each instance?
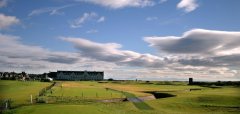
(19, 92)
(200, 100)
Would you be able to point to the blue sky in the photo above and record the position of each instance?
(131, 35)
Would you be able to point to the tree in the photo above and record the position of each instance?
(110, 79)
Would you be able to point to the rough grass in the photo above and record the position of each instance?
(19, 92)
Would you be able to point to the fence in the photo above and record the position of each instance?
(42, 91)
(5, 104)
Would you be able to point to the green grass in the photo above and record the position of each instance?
(207, 100)
(87, 91)
(19, 92)
(97, 108)
(223, 100)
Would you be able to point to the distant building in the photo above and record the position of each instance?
(190, 82)
(80, 75)
(52, 75)
(14, 76)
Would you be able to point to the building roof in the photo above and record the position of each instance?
(78, 71)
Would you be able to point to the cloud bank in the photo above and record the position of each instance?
(198, 41)
(18, 56)
(216, 57)
(214, 51)
(111, 52)
(116, 4)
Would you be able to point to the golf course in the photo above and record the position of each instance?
(118, 97)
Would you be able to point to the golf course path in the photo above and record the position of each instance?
(134, 99)
(140, 99)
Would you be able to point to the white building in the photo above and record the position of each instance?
(79, 75)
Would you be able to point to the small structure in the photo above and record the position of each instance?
(46, 78)
(190, 82)
(50, 79)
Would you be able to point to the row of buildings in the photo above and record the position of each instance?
(59, 75)
(14, 76)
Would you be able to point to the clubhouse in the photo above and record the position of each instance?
(80, 75)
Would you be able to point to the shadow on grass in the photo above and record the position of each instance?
(140, 104)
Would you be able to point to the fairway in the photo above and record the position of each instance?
(89, 90)
(199, 100)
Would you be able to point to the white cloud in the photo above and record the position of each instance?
(3, 3)
(111, 52)
(16, 56)
(50, 10)
(92, 16)
(198, 41)
(101, 19)
(7, 21)
(115, 4)
(187, 5)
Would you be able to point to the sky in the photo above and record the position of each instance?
(127, 39)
